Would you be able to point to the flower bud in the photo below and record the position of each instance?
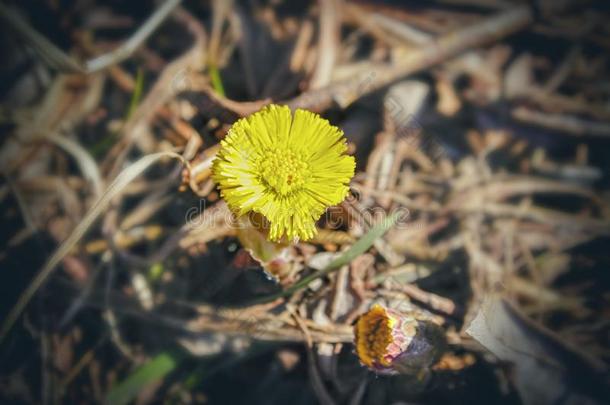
(390, 342)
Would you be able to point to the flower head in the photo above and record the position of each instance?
(388, 341)
(287, 168)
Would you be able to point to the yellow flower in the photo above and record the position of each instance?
(375, 337)
(289, 169)
(388, 341)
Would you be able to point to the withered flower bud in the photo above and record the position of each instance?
(390, 342)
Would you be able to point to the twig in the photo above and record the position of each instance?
(170, 82)
(566, 124)
(301, 47)
(83, 159)
(314, 375)
(100, 205)
(401, 30)
(346, 92)
(58, 59)
(330, 30)
(434, 301)
(564, 70)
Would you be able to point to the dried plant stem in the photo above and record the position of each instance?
(567, 124)
(58, 59)
(114, 189)
(173, 79)
(433, 52)
(328, 43)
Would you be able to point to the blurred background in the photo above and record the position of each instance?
(124, 279)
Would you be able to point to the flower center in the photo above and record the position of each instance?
(374, 335)
(284, 171)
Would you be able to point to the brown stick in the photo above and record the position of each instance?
(566, 124)
(437, 50)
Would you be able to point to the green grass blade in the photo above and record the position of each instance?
(358, 248)
(151, 372)
(136, 95)
(216, 80)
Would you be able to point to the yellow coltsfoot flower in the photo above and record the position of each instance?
(391, 342)
(287, 168)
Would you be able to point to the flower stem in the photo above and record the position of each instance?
(358, 248)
